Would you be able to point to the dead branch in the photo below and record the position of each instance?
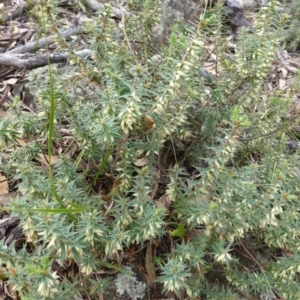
(43, 42)
(33, 61)
(21, 57)
(13, 12)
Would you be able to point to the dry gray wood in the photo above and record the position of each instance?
(43, 42)
(33, 61)
(95, 6)
(13, 12)
(21, 57)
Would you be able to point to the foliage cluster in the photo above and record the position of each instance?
(214, 147)
(291, 32)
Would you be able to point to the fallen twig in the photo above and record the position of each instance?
(33, 61)
(31, 47)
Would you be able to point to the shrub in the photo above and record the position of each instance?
(137, 126)
(291, 31)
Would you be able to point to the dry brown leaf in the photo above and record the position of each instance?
(3, 113)
(108, 209)
(293, 63)
(140, 162)
(115, 187)
(11, 289)
(106, 198)
(212, 57)
(210, 68)
(21, 142)
(210, 47)
(73, 149)
(164, 202)
(230, 45)
(156, 242)
(113, 191)
(208, 92)
(288, 253)
(274, 223)
(4, 198)
(150, 268)
(3, 185)
(11, 81)
(282, 83)
(284, 72)
(290, 68)
(44, 159)
(202, 199)
(15, 30)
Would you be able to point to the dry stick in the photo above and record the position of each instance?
(33, 61)
(14, 13)
(132, 289)
(31, 47)
(4, 96)
(28, 108)
(21, 58)
(136, 252)
(174, 151)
